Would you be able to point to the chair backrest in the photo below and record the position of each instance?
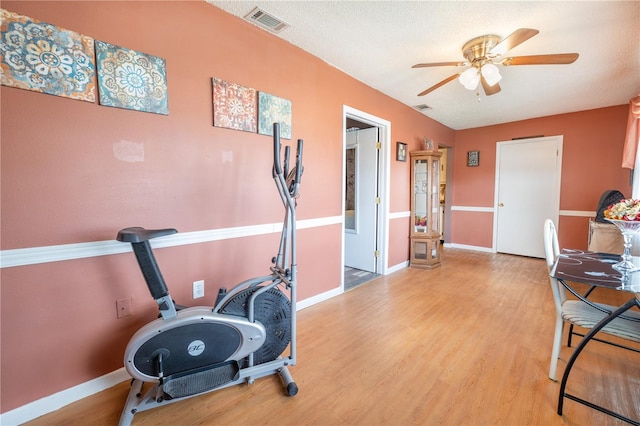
(551, 247)
(552, 251)
(607, 198)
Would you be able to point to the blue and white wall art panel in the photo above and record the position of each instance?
(131, 80)
(44, 58)
(272, 109)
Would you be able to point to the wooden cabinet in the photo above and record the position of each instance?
(425, 209)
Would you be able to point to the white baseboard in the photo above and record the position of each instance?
(58, 400)
(318, 298)
(468, 247)
(395, 268)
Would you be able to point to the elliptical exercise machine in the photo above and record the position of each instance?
(191, 351)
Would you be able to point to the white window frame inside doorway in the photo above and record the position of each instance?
(635, 193)
(635, 181)
(383, 223)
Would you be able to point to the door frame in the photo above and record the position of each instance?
(559, 139)
(384, 133)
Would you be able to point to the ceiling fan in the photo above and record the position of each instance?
(482, 53)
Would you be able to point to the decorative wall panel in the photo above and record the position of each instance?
(44, 58)
(272, 109)
(130, 79)
(234, 106)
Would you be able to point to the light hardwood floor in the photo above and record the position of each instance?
(464, 344)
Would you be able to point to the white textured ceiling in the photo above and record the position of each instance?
(377, 42)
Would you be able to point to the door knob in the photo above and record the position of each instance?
(501, 205)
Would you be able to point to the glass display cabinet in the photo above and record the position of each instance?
(425, 209)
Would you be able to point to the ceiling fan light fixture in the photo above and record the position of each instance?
(482, 53)
(470, 78)
(491, 74)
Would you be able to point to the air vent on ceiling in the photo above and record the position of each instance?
(422, 107)
(265, 20)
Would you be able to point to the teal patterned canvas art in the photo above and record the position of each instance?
(130, 79)
(272, 109)
(44, 58)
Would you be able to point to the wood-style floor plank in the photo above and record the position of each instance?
(464, 344)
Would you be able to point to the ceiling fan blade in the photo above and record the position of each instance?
(442, 83)
(559, 58)
(489, 90)
(441, 64)
(514, 39)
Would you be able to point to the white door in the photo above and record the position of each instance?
(360, 240)
(528, 175)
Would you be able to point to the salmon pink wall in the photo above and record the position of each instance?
(399, 241)
(63, 183)
(466, 226)
(591, 159)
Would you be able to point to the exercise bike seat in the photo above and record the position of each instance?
(137, 234)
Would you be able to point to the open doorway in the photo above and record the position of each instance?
(365, 187)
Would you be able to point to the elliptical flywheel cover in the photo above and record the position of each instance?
(273, 310)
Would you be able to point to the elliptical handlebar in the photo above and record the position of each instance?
(292, 177)
(287, 153)
(299, 168)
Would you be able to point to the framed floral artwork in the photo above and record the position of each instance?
(44, 58)
(130, 79)
(234, 106)
(272, 109)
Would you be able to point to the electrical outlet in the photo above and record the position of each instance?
(198, 289)
(123, 307)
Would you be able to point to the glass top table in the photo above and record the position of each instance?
(595, 269)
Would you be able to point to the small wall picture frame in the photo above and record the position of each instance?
(401, 151)
(473, 158)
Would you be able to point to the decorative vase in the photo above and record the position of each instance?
(629, 228)
(630, 282)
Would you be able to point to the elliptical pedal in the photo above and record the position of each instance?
(200, 380)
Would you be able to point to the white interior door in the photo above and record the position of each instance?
(528, 175)
(360, 239)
